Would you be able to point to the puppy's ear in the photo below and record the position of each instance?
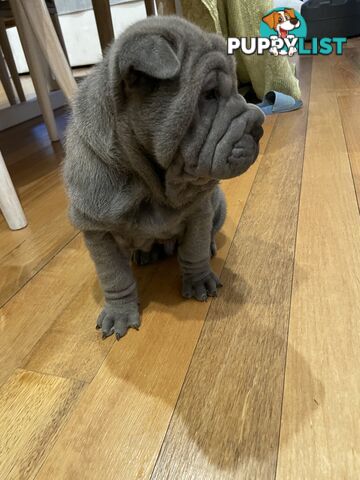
(150, 54)
(290, 11)
(270, 20)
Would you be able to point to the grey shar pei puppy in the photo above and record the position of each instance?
(154, 128)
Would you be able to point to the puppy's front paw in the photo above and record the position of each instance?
(200, 289)
(118, 319)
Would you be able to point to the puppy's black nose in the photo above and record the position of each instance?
(293, 21)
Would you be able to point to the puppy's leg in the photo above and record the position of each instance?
(219, 205)
(198, 280)
(113, 267)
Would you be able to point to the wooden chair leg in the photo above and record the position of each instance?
(5, 80)
(5, 46)
(163, 7)
(166, 7)
(39, 18)
(53, 85)
(150, 6)
(104, 24)
(57, 26)
(51, 81)
(9, 202)
(31, 49)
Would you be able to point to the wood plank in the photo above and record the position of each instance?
(30, 313)
(37, 172)
(37, 249)
(24, 253)
(29, 138)
(227, 418)
(320, 431)
(37, 204)
(71, 347)
(338, 73)
(37, 178)
(123, 417)
(349, 110)
(33, 408)
(345, 70)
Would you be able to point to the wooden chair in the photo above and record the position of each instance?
(5, 17)
(7, 21)
(103, 16)
(103, 22)
(5, 80)
(41, 46)
(43, 49)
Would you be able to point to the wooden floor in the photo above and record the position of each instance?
(261, 383)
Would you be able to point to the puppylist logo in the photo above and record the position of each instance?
(283, 32)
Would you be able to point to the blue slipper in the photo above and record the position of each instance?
(276, 102)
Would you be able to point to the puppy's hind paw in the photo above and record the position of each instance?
(118, 320)
(156, 253)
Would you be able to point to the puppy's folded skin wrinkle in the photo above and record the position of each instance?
(146, 147)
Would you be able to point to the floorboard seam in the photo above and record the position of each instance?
(293, 272)
(347, 152)
(48, 374)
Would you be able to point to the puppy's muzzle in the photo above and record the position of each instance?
(233, 142)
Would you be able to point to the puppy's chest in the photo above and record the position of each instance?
(152, 221)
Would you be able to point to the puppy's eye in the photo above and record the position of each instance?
(287, 16)
(281, 20)
(211, 94)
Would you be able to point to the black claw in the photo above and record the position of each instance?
(118, 336)
(97, 327)
(104, 335)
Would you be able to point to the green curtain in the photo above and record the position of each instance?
(241, 18)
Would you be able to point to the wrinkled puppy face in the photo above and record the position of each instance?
(223, 139)
(179, 93)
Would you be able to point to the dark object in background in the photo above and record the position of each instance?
(332, 18)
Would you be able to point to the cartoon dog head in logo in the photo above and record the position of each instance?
(282, 21)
